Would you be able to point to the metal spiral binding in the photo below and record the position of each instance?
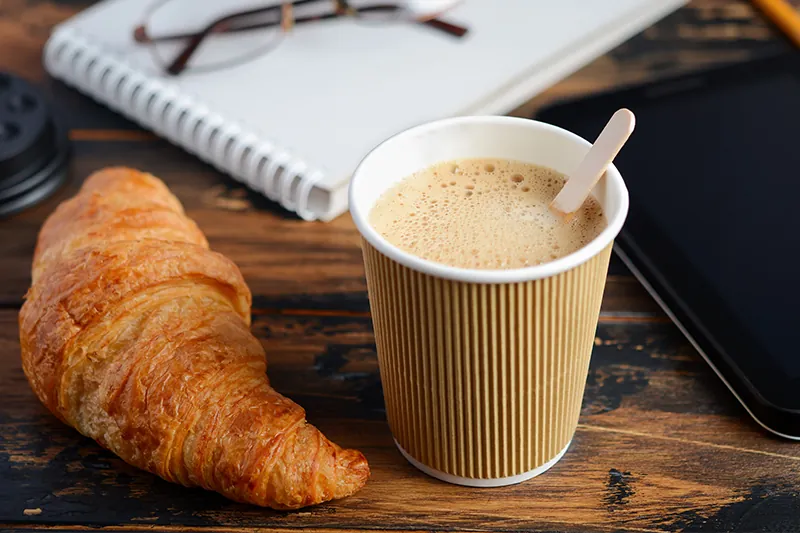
(159, 106)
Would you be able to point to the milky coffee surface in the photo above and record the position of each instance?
(484, 214)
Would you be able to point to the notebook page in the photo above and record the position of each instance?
(335, 89)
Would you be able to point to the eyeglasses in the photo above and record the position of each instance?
(228, 39)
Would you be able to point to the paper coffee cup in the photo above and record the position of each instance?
(483, 371)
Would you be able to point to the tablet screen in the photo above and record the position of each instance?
(714, 178)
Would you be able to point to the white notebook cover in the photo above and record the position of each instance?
(293, 124)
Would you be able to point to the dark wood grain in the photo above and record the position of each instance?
(288, 263)
(661, 445)
(704, 33)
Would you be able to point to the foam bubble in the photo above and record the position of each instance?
(486, 213)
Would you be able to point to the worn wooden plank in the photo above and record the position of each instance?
(24, 28)
(661, 446)
(339, 283)
(705, 32)
(287, 262)
(240, 228)
(278, 253)
(155, 528)
(16, 528)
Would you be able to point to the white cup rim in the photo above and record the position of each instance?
(360, 214)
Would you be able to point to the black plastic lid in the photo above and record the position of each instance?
(34, 149)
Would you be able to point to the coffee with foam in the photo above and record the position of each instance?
(483, 214)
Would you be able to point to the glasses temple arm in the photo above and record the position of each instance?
(195, 39)
(141, 36)
(223, 25)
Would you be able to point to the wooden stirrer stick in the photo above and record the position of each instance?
(600, 155)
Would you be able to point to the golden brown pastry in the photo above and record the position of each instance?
(137, 335)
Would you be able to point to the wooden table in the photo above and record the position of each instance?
(661, 444)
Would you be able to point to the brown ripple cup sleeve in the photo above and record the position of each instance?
(483, 371)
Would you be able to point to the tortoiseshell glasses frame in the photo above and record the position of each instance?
(276, 17)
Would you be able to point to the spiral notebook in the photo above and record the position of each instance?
(294, 123)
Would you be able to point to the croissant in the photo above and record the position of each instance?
(137, 335)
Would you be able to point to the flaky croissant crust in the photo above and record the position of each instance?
(136, 334)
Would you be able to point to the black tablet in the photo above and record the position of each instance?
(713, 170)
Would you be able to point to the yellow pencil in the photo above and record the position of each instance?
(783, 15)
